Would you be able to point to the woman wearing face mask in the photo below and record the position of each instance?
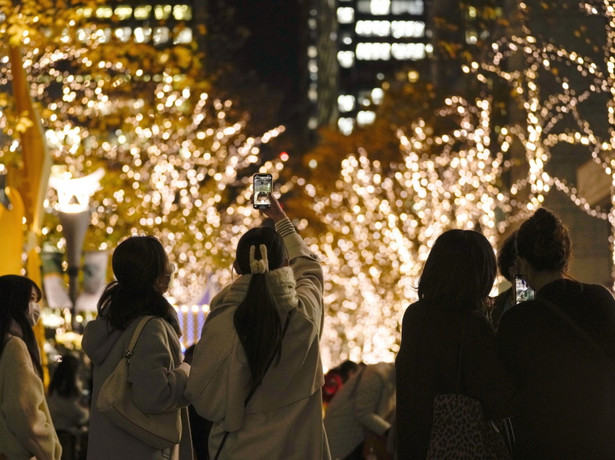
(26, 429)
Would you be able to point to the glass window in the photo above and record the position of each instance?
(378, 7)
(183, 36)
(143, 34)
(416, 7)
(373, 28)
(377, 95)
(143, 12)
(402, 29)
(182, 12)
(345, 59)
(123, 33)
(345, 125)
(345, 102)
(345, 15)
(123, 12)
(365, 117)
(374, 51)
(162, 11)
(406, 51)
(104, 12)
(161, 35)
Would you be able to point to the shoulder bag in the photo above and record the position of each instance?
(115, 402)
(459, 429)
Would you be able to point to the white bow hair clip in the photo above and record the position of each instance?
(259, 266)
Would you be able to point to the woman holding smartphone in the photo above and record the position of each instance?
(256, 372)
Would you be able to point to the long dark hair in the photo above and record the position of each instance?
(459, 271)
(64, 379)
(139, 263)
(15, 293)
(256, 319)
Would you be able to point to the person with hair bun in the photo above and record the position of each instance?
(560, 348)
(257, 372)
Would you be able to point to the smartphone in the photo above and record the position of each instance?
(523, 291)
(262, 187)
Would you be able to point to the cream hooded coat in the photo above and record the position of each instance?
(283, 419)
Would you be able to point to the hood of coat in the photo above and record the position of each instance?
(281, 283)
(98, 340)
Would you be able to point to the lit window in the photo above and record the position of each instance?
(102, 35)
(313, 66)
(183, 36)
(345, 59)
(143, 12)
(377, 95)
(405, 51)
(104, 12)
(162, 11)
(413, 76)
(471, 37)
(415, 7)
(345, 102)
(408, 29)
(312, 51)
(365, 117)
(182, 12)
(345, 125)
(143, 34)
(83, 35)
(345, 15)
(123, 12)
(313, 93)
(312, 124)
(373, 51)
(161, 35)
(471, 12)
(85, 12)
(378, 7)
(123, 34)
(373, 28)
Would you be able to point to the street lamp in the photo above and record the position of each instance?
(74, 211)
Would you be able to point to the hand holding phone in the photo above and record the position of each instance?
(523, 291)
(262, 188)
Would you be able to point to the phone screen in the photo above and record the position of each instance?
(263, 184)
(523, 291)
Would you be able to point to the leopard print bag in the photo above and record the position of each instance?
(459, 431)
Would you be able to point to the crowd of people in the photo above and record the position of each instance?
(253, 386)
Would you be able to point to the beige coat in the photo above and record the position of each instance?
(158, 385)
(26, 429)
(365, 404)
(283, 420)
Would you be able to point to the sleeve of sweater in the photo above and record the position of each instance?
(24, 405)
(158, 386)
(308, 273)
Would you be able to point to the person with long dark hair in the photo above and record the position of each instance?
(448, 345)
(156, 372)
(66, 404)
(257, 372)
(560, 348)
(26, 428)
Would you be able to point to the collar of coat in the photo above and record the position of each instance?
(281, 284)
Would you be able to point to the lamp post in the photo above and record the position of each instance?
(74, 211)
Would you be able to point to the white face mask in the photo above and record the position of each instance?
(34, 313)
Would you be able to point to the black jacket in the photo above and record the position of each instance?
(568, 408)
(427, 365)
